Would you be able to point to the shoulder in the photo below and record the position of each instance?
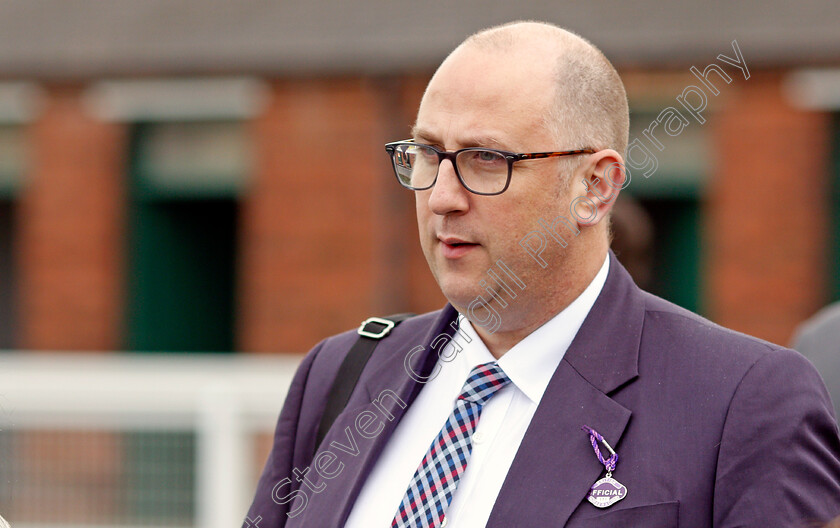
(320, 367)
(328, 355)
(667, 324)
(761, 401)
(706, 358)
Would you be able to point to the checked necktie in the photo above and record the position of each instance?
(430, 492)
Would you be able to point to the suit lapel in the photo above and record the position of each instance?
(555, 465)
(386, 371)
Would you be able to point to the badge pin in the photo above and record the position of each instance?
(606, 491)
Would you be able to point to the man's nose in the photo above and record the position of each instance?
(448, 195)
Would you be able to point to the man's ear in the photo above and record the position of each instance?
(598, 181)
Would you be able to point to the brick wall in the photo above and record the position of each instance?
(307, 226)
(71, 238)
(328, 237)
(767, 211)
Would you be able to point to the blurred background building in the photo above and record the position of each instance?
(209, 176)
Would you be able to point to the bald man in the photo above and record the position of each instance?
(551, 390)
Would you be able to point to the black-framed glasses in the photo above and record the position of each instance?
(480, 170)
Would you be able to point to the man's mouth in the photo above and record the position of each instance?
(454, 248)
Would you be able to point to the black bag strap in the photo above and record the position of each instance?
(370, 332)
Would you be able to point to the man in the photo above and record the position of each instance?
(818, 339)
(587, 401)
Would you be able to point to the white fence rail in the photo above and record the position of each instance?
(225, 400)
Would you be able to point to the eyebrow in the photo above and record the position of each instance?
(419, 133)
(473, 141)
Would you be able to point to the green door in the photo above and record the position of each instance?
(184, 185)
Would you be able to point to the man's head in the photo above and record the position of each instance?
(523, 87)
(588, 104)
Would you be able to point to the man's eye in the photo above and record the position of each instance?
(487, 156)
(427, 153)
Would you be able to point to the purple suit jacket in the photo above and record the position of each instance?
(712, 427)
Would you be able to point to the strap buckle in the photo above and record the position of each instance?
(388, 325)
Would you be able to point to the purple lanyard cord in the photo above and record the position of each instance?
(594, 438)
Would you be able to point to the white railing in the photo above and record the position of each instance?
(224, 399)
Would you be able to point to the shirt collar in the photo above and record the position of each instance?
(531, 362)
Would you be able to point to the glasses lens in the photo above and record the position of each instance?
(484, 171)
(416, 165)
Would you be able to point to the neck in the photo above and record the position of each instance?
(535, 312)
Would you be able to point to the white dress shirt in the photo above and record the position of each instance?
(501, 427)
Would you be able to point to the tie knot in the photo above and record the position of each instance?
(483, 382)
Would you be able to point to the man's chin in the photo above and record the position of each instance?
(459, 294)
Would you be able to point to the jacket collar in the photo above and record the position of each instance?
(605, 351)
